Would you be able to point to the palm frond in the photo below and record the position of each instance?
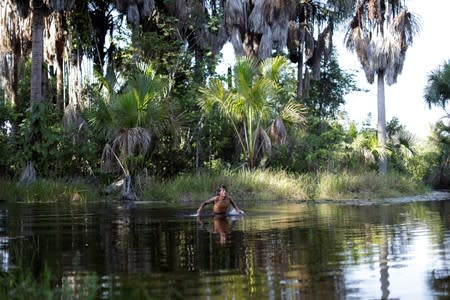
(294, 113)
(262, 91)
(157, 116)
(214, 93)
(367, 146)
(406, 26)
(99, 117)
(236, 41)
(108, 161)
(132, 142)
(235, 13)
(265, 46)
(437, 90)
(125, 110)
(377, 48)
(263, 146)
(245, 70)
(280, 33)
(278, 131)
(357, 40)
(405, 140)
(402, 30)
(272, 68)
(257, 19)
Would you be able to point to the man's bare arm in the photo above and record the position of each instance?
(206, 202)
(235, 206)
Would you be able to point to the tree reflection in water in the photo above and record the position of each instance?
(292, 251)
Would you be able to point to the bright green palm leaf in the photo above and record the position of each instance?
(214, 94)
(272, 68)
(125, 110)
(248, 104)
(294, 113)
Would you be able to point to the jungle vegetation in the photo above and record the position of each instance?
(104, 90)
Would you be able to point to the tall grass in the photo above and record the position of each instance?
(259, 185)
(262, 185)
(44, 190)
(280, 185)
(367, 185)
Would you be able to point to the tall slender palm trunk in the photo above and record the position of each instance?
(37, 57)
(381, 122)
(37, 51)
(300, 75)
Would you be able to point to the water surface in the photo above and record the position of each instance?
(283, 251)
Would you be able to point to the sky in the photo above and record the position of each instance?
(404, 100)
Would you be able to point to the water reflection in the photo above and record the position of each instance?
(322, 251)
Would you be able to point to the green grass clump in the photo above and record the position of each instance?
(367, 185)
(46, 190)
(258, 185)
(261, 185)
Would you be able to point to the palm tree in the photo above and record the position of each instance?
(248, 106)
(129, 120)
(257, 28)
(440, 169)
(39, 10)
(437, 91)
(37, 51)
(380, 33)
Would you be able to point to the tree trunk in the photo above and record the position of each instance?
(37, 58)
(15, 101)
(127, 191)
(381, 123)
(300, 75)
(59, 82)
(15, 77)
(37, 52)
(60, 44)
(28, 175)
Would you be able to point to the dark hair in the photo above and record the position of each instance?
(220, 187)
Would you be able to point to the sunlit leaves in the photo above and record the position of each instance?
(251, 103)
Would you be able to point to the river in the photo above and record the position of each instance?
(286, 250)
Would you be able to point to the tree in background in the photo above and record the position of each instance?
(249, 103)
(260, 28)
(129, 121)
(326, 95)
(15, 46)
(437, 93)
(380, 33)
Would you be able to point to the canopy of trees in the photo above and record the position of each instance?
(77, 101)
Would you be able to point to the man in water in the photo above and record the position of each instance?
(221, 202)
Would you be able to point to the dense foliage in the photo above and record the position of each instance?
(157, 107)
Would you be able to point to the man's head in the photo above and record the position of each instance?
(221, 189)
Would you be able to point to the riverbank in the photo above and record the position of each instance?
(259, 185)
